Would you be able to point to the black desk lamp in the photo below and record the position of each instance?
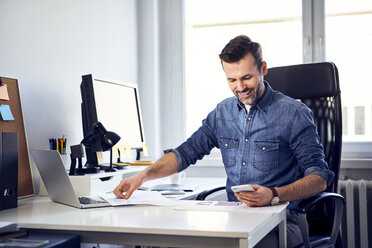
(98, 140)
(101, 139)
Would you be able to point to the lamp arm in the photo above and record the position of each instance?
(85, 140)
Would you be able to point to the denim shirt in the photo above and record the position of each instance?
(273, 145)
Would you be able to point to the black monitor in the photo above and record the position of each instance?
(116, 105)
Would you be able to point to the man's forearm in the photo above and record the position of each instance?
(165, 166)
(302, 188)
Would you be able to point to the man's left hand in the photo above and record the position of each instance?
(260, 197)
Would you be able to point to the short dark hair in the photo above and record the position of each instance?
(240, 46)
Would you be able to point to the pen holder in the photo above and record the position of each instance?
(58, 144)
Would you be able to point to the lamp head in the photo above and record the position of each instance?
(100, 138)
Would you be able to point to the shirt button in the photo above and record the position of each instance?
(243, 163)
(226, 145)
(249, 118)
(246, 140)
(263, 148)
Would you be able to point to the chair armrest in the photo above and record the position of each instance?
(307, 203)
(201, 196)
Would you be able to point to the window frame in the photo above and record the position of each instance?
(314, 38)
(313, 21)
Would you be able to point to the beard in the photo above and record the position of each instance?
(257, 94)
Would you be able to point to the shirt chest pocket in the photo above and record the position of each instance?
(229, 149)
(266, 155)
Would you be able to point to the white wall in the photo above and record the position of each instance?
(48, 44)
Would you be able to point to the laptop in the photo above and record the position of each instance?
(57, 181)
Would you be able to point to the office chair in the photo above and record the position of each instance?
(316, 85)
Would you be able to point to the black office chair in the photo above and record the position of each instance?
(316, 85)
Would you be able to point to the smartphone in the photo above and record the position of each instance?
(244, 187)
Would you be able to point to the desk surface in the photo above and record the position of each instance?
(201, 185)
(147, 225)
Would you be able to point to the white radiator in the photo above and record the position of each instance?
(356, 225)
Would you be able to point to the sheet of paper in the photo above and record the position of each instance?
(4, 92)
(6, 113)
(226, 206)
(122, 152)
(175, 187)
(139, 197)
(128, 151)
(115, 152)
(145, 150)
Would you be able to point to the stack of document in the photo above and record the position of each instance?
(174, 187)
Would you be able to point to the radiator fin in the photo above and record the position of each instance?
(356, 226)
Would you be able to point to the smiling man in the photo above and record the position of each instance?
(266, 139)
(245, 79)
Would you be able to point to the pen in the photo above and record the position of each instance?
(64, 145)
(118, 159)
(51, 144)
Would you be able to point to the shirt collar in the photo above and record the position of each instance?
(264, 102)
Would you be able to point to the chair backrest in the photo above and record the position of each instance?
(316, 85)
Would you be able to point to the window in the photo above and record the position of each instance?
(210, 24)
(345, 38)
(348, 45)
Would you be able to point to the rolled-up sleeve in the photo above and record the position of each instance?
(327, 174)
(308, 150)
(179, 159)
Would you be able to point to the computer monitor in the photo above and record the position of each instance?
(116, 105)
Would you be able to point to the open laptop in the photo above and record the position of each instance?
(57, 181)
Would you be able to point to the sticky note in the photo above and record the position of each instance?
(122, 151)
(99, 157)
(145, 150)
(6, 113)
(115, 152)
(128, 150)
(4, 92)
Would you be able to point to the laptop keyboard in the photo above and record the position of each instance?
(87, 200)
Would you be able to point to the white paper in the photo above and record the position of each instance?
(139, 197)
(226, 206)
(175, 187)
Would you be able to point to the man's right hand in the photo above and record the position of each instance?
(128, 186)
(165, 166)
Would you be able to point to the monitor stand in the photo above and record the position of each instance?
(91, 169)
(138, 152)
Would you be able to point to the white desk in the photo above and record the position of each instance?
(148, 225)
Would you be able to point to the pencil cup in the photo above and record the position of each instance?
(59, 144)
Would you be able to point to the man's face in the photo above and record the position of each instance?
(245, 80)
